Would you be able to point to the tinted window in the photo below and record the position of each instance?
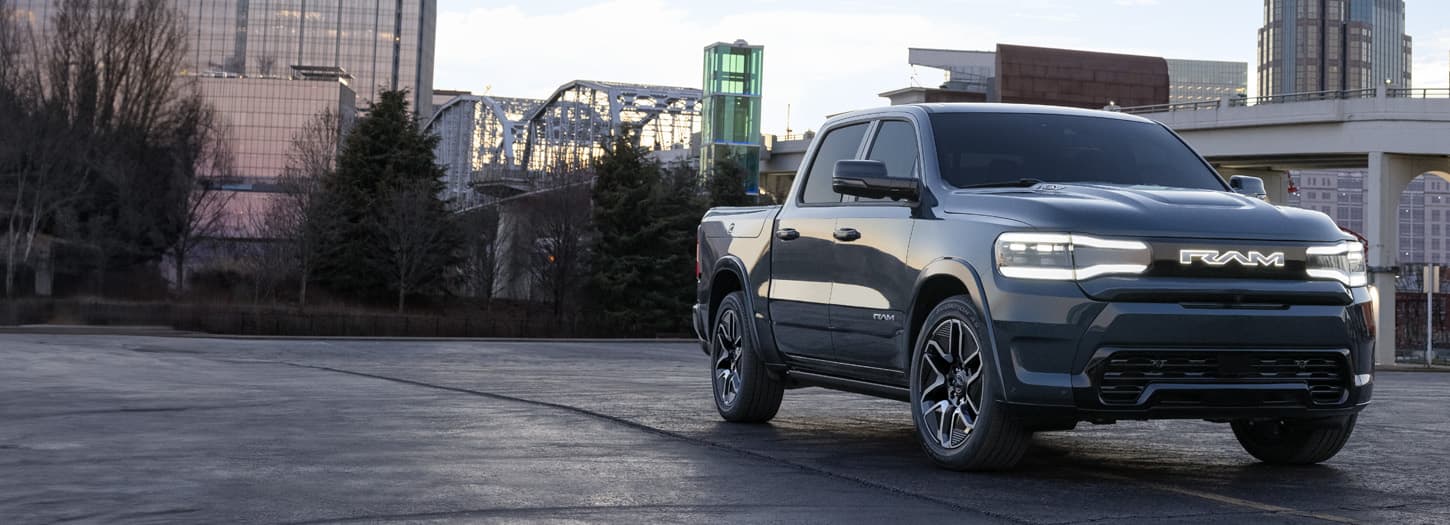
(839, 144)
(985, 148)
(895, 146)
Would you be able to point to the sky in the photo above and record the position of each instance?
(825, 57)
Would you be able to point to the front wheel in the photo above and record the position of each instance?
(1291, 441)
(959, 421)
(744, 390)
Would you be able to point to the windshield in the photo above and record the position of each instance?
(977, 149)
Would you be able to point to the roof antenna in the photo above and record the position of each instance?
(787, 120)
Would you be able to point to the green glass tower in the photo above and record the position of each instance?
(731, 128)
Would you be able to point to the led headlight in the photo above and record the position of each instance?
(1343, 262)
(1067, 257)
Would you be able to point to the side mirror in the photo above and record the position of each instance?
(1251, 186)
(867, 179)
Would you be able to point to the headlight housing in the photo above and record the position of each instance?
(1068, 257)
(1343, 262)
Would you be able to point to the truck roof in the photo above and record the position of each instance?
(985, 107)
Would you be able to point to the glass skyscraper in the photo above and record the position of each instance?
(1332, 45)
(381, 44)
(269, 66)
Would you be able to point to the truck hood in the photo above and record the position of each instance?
(1145, 211)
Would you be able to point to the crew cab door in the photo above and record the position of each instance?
(873, 283)
(801, 253)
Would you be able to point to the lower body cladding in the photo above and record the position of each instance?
(1065, 357)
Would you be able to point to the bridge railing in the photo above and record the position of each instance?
(1308, 96)
(1284, 98)
(1180, 106)
(1418, 93)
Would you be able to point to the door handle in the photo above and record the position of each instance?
(787, 234)
(847, 234)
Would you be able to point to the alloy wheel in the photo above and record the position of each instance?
(950, 381)
(728, 350)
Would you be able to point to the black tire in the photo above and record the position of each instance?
(1293, 442)
(993, 439)
(744, 390)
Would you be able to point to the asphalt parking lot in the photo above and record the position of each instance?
(161, 429)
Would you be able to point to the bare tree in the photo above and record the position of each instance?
(417, 239)
(95, 145)
(559, 222)
(480, 261)
(202, 216)
(38, 148)
(298, 216)
(112, 63)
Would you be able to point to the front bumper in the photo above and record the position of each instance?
(1066, 354)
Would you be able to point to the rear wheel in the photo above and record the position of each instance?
(1293, 441)
(744, 390)
(959, 421)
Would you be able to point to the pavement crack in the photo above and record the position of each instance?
(677, 436)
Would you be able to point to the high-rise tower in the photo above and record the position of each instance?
(1332, 45)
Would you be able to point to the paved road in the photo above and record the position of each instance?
(154, 429)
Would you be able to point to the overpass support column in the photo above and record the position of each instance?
(1387, 177)
(511, 270)
(1276, 183)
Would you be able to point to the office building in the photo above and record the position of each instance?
(269, 66)
(1206, 80)
(380, 45)
(1332, 45)
(1037, 75)
(730, 123)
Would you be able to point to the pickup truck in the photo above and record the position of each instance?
(1006, 269)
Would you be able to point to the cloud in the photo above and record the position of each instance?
(818, 62)
(1432, 65)
(1135, 3)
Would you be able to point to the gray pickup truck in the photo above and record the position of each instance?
(1008, 269)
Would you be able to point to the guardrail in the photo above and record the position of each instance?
(1180, 106)
(1285, 98)
(1418, 93)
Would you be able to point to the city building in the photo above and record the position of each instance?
(1206, 80)
(269, 67)
(1332, 45)
(254, 109)
(1038, 75)
(381, 45)
(730, 129)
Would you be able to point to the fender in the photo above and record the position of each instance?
(966, 274)
(762, 339)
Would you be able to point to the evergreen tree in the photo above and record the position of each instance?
(645, 216)
(727, 184)
(385, 152)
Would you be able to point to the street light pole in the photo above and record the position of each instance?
(1432, 282)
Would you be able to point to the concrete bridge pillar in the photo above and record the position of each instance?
(511, 270)
(1388, 176)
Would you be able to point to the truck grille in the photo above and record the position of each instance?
(1125, 376)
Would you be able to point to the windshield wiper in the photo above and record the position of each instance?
(1019, 183)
